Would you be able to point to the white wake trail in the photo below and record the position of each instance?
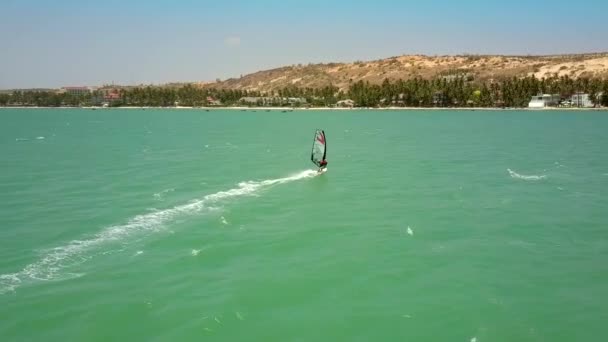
(51, 265)
(524, 177)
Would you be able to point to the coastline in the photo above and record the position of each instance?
(290, 109)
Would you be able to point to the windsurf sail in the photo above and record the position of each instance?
(319, 148)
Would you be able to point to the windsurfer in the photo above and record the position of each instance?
(322, 165)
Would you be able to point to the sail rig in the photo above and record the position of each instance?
(319, 147)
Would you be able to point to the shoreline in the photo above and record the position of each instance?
(290, 109)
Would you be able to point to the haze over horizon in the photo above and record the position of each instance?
(64, 43)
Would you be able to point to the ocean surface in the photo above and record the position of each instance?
(194, 225)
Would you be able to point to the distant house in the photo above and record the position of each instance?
(76, 91)
(112, 96)
(254, 100)
(272, 101)
(211, 101)
(581, 100)
(544, 100)
(295, 100)
(106, 97)
(345, 103)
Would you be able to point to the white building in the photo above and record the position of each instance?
(544, 100)
(346, 103)
(76, 91)
(581, 100)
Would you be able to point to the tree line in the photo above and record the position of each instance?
(439, 92)
(514, 92)
(41, 99)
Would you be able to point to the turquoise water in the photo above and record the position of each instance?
(184, 225)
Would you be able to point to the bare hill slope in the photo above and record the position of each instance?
(475, 67)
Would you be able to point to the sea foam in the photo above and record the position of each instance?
(160, 195)
(53, 262)
(526, 177)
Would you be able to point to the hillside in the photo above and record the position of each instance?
(474, 67)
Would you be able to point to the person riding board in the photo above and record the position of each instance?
(322, 165)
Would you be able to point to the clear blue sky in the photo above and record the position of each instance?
(59, 43)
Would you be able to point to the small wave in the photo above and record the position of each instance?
(159, 195)
(525, 177)
(50, 266)
(223, 220)
(195, 252)
(28, 139)
(9, 282)
(410, 231)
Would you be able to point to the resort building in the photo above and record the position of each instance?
(272, 101)
(544, 100)
(253, 100)
(211, 101)
(345, 103)
(581, 100)
(76, 91)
